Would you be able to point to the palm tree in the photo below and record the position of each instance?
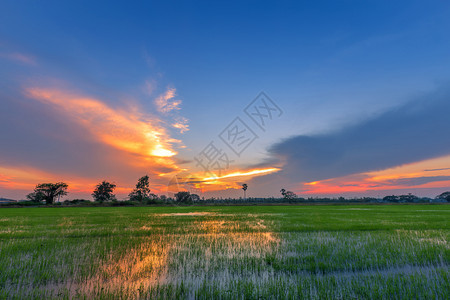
(245, 187)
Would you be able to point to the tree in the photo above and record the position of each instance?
(392, 198)
(195, 197)
(142, 190)
(444, 196)
(408, 198)
(48, 192)
(288, 195)
(183, 197)
(245, 187)
(104, 191)
(36, 197)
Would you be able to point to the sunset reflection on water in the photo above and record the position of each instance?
(171, 258)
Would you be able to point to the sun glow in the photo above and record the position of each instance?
(159, 151)
(312, 183)
(248, 173)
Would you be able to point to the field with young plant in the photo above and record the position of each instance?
(245, 252)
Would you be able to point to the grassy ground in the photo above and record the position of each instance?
(319, 252)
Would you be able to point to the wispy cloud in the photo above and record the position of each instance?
(181, 124)
(433, 170)
(166, 102)
(20, 57)
(150, 86)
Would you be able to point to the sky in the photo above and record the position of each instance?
(322, 98)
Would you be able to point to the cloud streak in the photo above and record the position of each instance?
(416, 181)
(20, 57)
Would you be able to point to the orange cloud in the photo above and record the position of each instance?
(26, 178)
(125, 130)
(434, 171)
(435, 166)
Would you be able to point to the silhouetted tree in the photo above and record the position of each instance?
(142, 190)
(36, 197)
(392, 198)
(104, 191)
(183, 197)
(444, 196)
(408, 198)
(290, 195)
(245, 187)
(48, 192)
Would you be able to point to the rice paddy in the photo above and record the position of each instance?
(253, 252)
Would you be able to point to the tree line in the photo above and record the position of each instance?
(49, 193)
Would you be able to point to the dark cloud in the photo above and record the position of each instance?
(432, 170)
(415, 131)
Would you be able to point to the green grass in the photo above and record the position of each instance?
(246, 252)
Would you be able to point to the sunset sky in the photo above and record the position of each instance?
(323, 98)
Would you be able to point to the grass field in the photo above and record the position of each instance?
(253, 252)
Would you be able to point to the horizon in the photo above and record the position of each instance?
(322, 99)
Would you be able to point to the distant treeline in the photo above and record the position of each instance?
(311, 200)
(103, 195)
(186, 198)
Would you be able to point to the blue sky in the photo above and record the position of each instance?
(330, 65)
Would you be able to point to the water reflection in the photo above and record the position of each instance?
(136, 270)
(191, 258)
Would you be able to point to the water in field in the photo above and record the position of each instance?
(248, 253)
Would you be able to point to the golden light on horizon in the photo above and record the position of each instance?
(197, 181)
(239, 174)
(312, 183)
